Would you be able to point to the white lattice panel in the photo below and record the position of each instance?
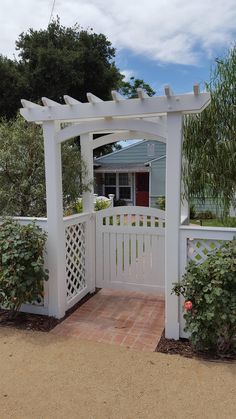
(75, 259)
(199, 249)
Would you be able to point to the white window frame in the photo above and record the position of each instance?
(118, 186)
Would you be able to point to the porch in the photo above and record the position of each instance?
(129, 186)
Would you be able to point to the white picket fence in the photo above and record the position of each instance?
(129, 252)
(130, 249)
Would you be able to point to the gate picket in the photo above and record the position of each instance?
(130, 248)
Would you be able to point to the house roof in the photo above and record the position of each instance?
(136, 155)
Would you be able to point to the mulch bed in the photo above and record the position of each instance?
(184, 348)
(36, 322)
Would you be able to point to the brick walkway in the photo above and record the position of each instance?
(131, 319)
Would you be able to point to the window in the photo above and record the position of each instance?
(110, 179)
(124, 179)
(110, 184)
(118, 184)
(125, 193)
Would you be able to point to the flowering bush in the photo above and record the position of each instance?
(209, 291)
(21, 264)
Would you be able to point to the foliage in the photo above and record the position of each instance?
(22, 173)
(161, 203)
(205, 215)
(119, 203)
(129, 88)
(216, 222)
(62, 60)
(209, 139)
(192, 211)
(211, 288)
(21, 264)
(12, 86)
(76, 60)
(77, 207)
(101, 204)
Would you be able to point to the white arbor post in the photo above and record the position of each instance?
(86, 144)
(173, 180)
(56, 233)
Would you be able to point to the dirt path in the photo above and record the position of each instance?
(45, 377)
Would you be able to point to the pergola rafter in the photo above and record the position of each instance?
(144, 106)
(157, 117)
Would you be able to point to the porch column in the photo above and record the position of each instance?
(56, 233)
(173, 180)
(86, 144)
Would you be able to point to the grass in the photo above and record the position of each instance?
(216, 222)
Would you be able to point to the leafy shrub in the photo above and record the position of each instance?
(21, 264)
(209, 291)
(77, 207)
(205, 215)
(120, 203)
(101, 204)
(229, 222)
(192, 212)
(161, 203)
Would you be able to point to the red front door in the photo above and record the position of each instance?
(142, 189)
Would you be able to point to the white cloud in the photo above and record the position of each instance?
(168, 31)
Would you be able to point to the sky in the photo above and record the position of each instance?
(161, 41)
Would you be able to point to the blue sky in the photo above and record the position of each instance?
(161, 41)
(181, 77)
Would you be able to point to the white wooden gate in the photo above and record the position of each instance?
(130, 246)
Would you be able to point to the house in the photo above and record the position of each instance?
(135, 174)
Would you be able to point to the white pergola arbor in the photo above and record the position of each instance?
(157, 118)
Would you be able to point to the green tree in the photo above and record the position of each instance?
(210, 139)
(62, 60)
(22, 173)
(67, 60)
(12, 86)
(129, 88)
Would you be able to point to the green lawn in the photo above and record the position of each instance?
(216, 222)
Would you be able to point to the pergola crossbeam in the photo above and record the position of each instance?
(49, 102)
(70, 100)
(29, 105)
(131, 108)
(168, 91)
(93, 99)
(117, 97)
(142, 94)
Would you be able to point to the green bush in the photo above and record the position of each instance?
(192, 211)
(100, 204)
(77, 207)
(21, 264)
(120, 203)
(205, 215)
(209, 290)
(161, 203)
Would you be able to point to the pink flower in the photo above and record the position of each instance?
(188, 305)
